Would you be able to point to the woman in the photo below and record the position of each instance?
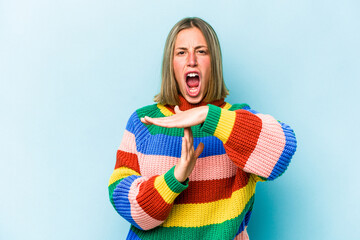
(187, 166)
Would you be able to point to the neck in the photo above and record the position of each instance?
(185, 105)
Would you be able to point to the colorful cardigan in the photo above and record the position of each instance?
(242, 147)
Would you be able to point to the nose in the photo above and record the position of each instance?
(192, 61)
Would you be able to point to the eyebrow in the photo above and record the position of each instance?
(197, 47)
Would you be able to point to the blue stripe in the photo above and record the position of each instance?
(121, 200)
(164, 145)
(241, 228)
(212, 146)
(130, 124)
(247, 217)
(244, 223)
(288, 152)
(132, 236)
(161, 144)
(252, 111)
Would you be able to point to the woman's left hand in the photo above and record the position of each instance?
(181, 119)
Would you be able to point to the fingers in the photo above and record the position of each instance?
(163, 122)
(187, 133)
(146, 120)
(168, 122)
(198, 150)
(177, 109)
(188, 158)
(189, 136)
(181, 119)
(184, 149)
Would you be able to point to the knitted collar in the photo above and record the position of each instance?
(185, 105)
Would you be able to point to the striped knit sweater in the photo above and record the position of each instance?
(242, 147)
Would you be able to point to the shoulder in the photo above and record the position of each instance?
(147, 110)
(143, 111)
(134, 123)
(237, 106)
(153, 110)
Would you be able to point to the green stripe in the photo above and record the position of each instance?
(212, 119)
(238, 106)
(202, 130)
(177, 132)
(173, 183)
(145, 111)
(263, 178)
(221, 231)
(154, 112)
(198, 133)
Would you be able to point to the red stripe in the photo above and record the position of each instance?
(213, 190)
(243, 138)
(126, 159)
(151, 201)
(185, 105)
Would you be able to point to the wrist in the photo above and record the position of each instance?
(179, 177)
(174, 184)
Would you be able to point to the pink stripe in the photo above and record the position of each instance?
(145, 221)
(268, 149)
(207, 168)
(242, 236)
(128, 143)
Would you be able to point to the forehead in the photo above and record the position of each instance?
(190, 37)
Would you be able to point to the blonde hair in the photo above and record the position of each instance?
(169, 88)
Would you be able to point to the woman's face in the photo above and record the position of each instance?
(192, 64)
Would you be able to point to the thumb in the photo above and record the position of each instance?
(198, 150)
(177, 109)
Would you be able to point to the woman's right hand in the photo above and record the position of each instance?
(188, 156)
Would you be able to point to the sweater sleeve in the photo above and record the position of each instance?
(255, 142)
(145, 202)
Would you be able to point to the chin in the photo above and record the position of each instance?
(193, 100)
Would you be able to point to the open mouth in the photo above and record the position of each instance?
(192, 84)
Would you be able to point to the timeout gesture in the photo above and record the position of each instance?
(183, 119)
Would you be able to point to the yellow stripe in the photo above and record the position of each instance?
(258, 179)
(198, 215)
(164, 110)
(227, 106)
(120, 173)
(225, 125)
(166, 193)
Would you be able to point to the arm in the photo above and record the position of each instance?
(257, 143)
(189, 156)
(144, 202)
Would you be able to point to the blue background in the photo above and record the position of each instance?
(72, 72)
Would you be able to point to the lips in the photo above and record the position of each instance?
(193, 83)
